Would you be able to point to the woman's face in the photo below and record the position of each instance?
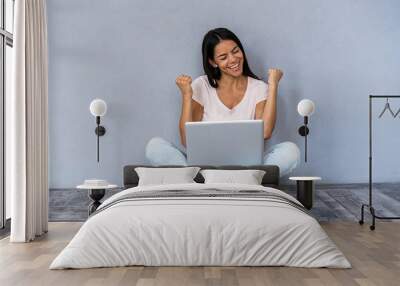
(228, 57)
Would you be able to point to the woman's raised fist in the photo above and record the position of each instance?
(184, 83)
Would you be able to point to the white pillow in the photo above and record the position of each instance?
(249, 177)
(164, 176)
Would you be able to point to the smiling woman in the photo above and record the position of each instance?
(229, 90)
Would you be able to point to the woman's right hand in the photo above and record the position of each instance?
(184, 84)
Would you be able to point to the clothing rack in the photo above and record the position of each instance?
(370, 203)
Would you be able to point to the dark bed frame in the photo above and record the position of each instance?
(270, 179)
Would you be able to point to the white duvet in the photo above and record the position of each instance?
(199, 231)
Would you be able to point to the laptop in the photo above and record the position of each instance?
(239, 142)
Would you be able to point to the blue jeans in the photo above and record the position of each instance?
(285, 155)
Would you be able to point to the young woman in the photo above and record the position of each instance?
(229, 90)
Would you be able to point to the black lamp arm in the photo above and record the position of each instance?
(303, 131)
(100, 131)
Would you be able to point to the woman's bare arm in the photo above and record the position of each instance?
(269, 113)
(191, 110)
(186, 116)
(263, 113)
(266, 110)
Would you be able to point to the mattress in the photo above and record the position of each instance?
(201, 225)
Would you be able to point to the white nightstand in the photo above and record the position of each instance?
(96, 193)
(305, 190)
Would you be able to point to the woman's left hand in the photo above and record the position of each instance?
(274, 76)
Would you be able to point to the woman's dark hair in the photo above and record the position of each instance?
(211, 39)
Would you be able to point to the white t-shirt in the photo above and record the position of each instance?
(215, 110)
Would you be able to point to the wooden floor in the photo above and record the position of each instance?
(375, 257)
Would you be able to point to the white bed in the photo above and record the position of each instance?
(207, 230)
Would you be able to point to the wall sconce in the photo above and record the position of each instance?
(98, 108)
(305, 108)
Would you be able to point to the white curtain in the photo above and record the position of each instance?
(28, 123)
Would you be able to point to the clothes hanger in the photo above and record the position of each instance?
(387, 107)
(397, 113)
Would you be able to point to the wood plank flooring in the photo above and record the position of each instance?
(375, 257)
(338, 202)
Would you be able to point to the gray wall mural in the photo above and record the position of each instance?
(130, 52)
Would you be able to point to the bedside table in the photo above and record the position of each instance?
(305, 190)
(95, 193)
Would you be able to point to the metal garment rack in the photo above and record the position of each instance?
(370, 205)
